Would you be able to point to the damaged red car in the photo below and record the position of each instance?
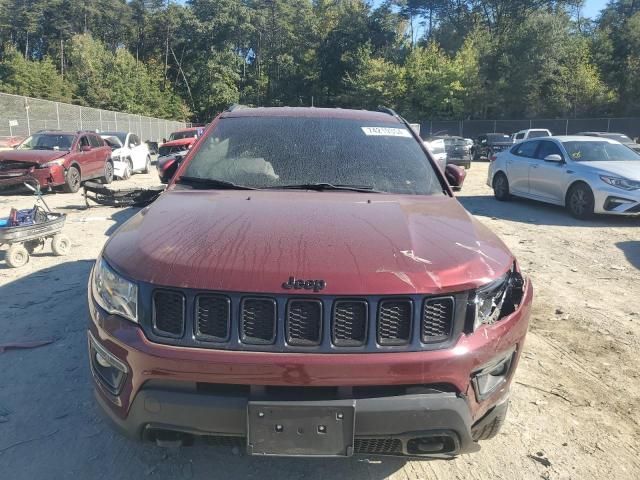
(308, 285)
(57, 159)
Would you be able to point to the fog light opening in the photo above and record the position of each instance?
(493, 375)
(109, 370)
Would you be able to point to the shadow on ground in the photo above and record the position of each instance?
(50, 426)
(631, 250)
(538, 213)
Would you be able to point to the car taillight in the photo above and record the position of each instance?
(492, 157)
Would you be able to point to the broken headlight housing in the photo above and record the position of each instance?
(114, 293)
(497, 299)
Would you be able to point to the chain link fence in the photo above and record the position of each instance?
(566, 126)
(22, 116)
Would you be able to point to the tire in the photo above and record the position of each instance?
(491, 429)
(17, 256)
(61, 245)
(580, 201)
(501, 187)
(108, 173)
(128, 169)
(147, 165)
(72, 180)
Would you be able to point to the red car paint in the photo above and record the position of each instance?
(18, 165)
(359, 244)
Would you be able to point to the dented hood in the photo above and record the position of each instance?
(32, 156)
(358, 243)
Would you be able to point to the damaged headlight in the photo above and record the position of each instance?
(498, 298)
(113, 293)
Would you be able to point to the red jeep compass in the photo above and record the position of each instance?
(308, 285)
(58, 159)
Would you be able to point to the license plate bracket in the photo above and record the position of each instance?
(308, 429)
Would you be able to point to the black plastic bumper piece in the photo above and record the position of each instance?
(431, 424)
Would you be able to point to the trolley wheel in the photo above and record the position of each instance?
(17, 256)
(34, 246)
(60, 245)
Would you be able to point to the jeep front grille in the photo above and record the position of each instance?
(304, 322)
(258, 321)
(437, 319)
(289, 323)
(350, 318)
(394, 322)
(168, 313)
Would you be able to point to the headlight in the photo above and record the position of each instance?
(53, 163)
(498, 298)
(620, 182)
(113, 293)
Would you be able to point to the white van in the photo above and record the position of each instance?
(530, 133)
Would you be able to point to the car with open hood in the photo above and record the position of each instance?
(128, 153)
(57, 159)
(308, 285)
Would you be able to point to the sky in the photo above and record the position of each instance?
(592, 7)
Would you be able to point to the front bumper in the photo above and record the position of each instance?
(119, 168)
(46, 177)
(206, 392)
(616, 201)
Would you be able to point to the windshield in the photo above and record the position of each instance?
(599, 152)
(538, 133)
(272, 152)
(498, 137)
(181, 135)
(47, 141)
(122, 136)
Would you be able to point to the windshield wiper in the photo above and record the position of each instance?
(198, 182)
(320, 187)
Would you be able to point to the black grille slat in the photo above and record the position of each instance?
(258, 321)
(379, 446)
(169, 313)
(213, 317)
(437, 319)
(394, 322)
(350, 319)
(304, 322)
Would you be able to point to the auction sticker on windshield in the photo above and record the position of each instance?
(385, 132)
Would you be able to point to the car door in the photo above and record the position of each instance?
(138, 155)
(86, 158)
(98, 156)
(547, 178)
(518, 163)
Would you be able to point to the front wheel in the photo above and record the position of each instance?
(72, 181)
(17, 256)
(108, 173)
(501, 187)
(580, 201)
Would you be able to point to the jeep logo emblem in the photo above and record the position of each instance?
(294, 284)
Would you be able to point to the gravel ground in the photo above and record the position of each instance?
(575, 409)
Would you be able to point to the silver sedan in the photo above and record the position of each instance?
(586, 175)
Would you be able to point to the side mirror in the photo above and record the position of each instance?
(455, 175)
(85, 148)
(554, 157)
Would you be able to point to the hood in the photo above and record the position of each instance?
(626, 169)
(34, 156)
(359, 244)
(180, 142)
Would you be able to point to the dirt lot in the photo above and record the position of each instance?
(575, 411)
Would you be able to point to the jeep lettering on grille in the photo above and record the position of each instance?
(297, 284)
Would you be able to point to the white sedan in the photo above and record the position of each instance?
(131, 156)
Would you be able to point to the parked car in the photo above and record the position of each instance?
(132, 156)
(438, 151)
(618, 137)
(457, 149)
(586, 175)
(186, 133)
(171, 153)
(490, 144)
(310, 285)
(523, 135)
(58, 159)
(152, 146)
